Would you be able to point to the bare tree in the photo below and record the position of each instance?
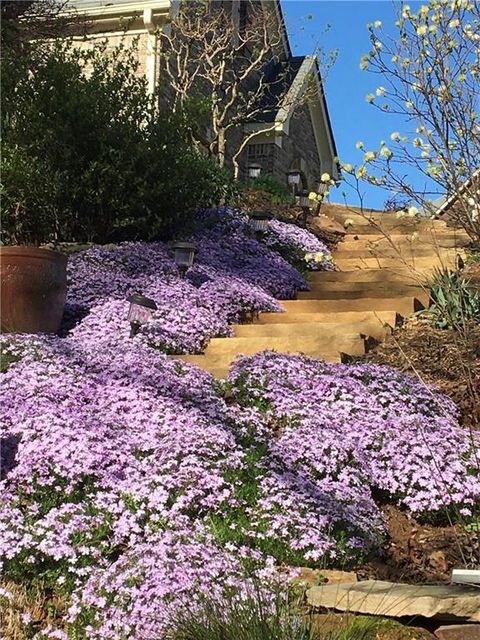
(230, 72)
(429, 72)
(24, 21)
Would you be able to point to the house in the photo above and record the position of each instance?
(291, 132)
(464, 203)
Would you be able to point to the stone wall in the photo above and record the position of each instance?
(128, 39)
(300, 144)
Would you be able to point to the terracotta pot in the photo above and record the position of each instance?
(33, 289)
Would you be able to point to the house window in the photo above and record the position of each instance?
(264, 150)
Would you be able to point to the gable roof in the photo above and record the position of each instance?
(291, 79)
(446, 202)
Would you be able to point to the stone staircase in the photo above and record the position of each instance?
(384, 264)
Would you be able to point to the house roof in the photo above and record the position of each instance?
(290, 79)
(445, 202)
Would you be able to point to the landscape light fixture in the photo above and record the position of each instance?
(293, 178)
(304, 202)
(140, 312)
(259, 220)
(254, 170)
(322, 189)
(184, 254)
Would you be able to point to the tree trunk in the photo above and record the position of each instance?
(221, 148)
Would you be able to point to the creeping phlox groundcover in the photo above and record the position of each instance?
(134, 485)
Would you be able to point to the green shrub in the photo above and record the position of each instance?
(250, 617)
(276, 617)
(454, 303)
(280, 194)
(87, 156)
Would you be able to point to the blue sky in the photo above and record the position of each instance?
(352, 117)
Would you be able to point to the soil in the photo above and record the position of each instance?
(418, 552)
(421, 553)
(325, 626)
(448, 359)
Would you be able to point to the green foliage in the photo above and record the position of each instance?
(6, 359)
(252, 617)
(280, 194)
(454, 302)
(474, 257)
(86, 154)
(246, 618)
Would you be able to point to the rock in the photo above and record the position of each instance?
(324, 223)
(459, 632)
(332, 576)
(377, 597)
(347, 625)
(312, 577)
(438, 561)
(307, 577)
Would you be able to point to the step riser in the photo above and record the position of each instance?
(403, 306)
(400, 244)
(404, 253)
(393, 287)
(290, 344)
(364, 276)
(373, 329)
(363, 217)
(426, 264)
(317, 294)
(355, 317)
(393, 229)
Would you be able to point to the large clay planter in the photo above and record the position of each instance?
(33, 289)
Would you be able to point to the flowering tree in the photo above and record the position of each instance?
(429, 73)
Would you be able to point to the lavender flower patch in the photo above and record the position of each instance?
(366, 425)
(132, 488)
(139, 594)
(234, 277)
(300, 244)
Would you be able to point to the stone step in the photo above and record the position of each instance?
(356, 318)
(382, 219)
(398, 287)
(372, 328)
(221, 363)
(445, 602)
(359, 275)
(351, 344)
(427, 235)
(397, 227)
(383, 244)
(405, 251)
(421, 265)
(404, 305)
(352, 291)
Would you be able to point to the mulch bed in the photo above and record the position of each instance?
(414, 551)
(446, 358)
(421, 553)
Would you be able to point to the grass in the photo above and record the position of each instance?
(250, 618)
